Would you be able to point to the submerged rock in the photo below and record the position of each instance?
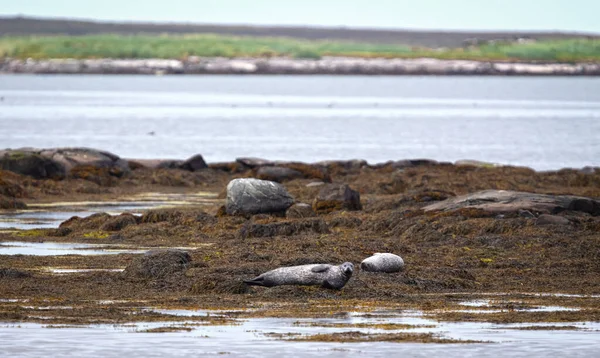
(248, 196)
(158, 264)
(503, 201)
(334, 197)
(382, 262)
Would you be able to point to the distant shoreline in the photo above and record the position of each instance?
(293, 66)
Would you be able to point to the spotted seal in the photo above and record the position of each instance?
(324, 275)
(382, 262)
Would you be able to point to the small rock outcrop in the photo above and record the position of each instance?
(249, 196)
(56, 163)
(158, 264)
(194, 163)
(546, 219)
(333, 197)
(504, 201)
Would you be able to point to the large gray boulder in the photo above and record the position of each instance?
(248, 196)
(503, 201)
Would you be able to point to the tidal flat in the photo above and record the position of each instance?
(473, 276)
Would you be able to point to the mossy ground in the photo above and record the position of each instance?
(450, 257)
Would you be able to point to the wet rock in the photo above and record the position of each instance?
(158, 264)
(11, 203)
(334, 197)
(503, 201)
(278, 174)
(31, 163)
(382, 262)
(194, 163)
(300, 210)
(119, 222)
(317, 226)
(248, 196)
(73, 157)
(546, 219)
(254, 162)
(13, 273)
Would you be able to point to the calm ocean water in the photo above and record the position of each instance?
(544, 123)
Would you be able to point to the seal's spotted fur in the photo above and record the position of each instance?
(327, 276)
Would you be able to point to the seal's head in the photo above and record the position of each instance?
(347, 268)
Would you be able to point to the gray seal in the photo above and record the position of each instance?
(382, 262)
(324, 275)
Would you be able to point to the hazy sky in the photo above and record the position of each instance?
(575, 15)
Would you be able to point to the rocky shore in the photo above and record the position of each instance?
(281, 65)
(465, 228)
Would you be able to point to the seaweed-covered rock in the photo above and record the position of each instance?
(248, 196)
(119, 222)
(92, 222)
(300, 210)
(333, 197)
(503, 201)
(158, 264)
(27, 162)
(278, 174)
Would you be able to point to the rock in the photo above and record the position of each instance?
(27, 162)
(158, 264)
(504, 201)
(348, 165)
(278, 174)
(546, 219)
(248, 196)
(526, 214)
(589, 170)
(406, 163)
(194, 163)
(382, 262)
(334, 197)
(72, 157)
(300, 210)
(254, 162)
(119, 222)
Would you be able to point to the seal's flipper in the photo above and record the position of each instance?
(320, 268)
(259, 281)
